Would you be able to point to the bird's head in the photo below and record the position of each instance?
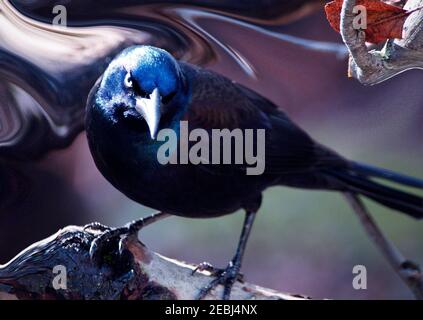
(141, 83)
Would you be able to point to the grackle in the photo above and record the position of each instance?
(144, 89)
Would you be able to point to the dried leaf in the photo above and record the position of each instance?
(384, 21)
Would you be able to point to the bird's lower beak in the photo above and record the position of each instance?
(149, 108)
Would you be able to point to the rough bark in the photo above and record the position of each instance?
(129, 272)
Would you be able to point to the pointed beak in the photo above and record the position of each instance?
(149, 108)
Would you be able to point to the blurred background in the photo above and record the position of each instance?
(304, 241)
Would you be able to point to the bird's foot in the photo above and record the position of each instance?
(103, 243)
(112, 236)
(215, 272)
(225, 277)
(206, 266)
(96, 226)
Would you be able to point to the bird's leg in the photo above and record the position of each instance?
(228, 276)
(109, 234)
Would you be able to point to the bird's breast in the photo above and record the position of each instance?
(129, 161)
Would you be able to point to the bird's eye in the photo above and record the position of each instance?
(128, 81)
(131, 83)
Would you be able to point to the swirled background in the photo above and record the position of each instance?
(304, 242)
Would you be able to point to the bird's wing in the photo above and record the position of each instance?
(218, 103)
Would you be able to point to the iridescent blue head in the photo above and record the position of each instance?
(142, 82)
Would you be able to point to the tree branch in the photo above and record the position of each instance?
(397, 56)
(408, 271)
(135, 273)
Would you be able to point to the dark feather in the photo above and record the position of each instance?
(218, 103)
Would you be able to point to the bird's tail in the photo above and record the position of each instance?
(357, 179)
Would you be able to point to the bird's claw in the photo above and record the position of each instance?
(96, 226)
(206, 266)
(215, 272)
(105, 240)
(225, 277)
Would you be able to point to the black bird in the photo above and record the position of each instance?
(144, 90)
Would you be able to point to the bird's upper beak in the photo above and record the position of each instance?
(149, 108)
